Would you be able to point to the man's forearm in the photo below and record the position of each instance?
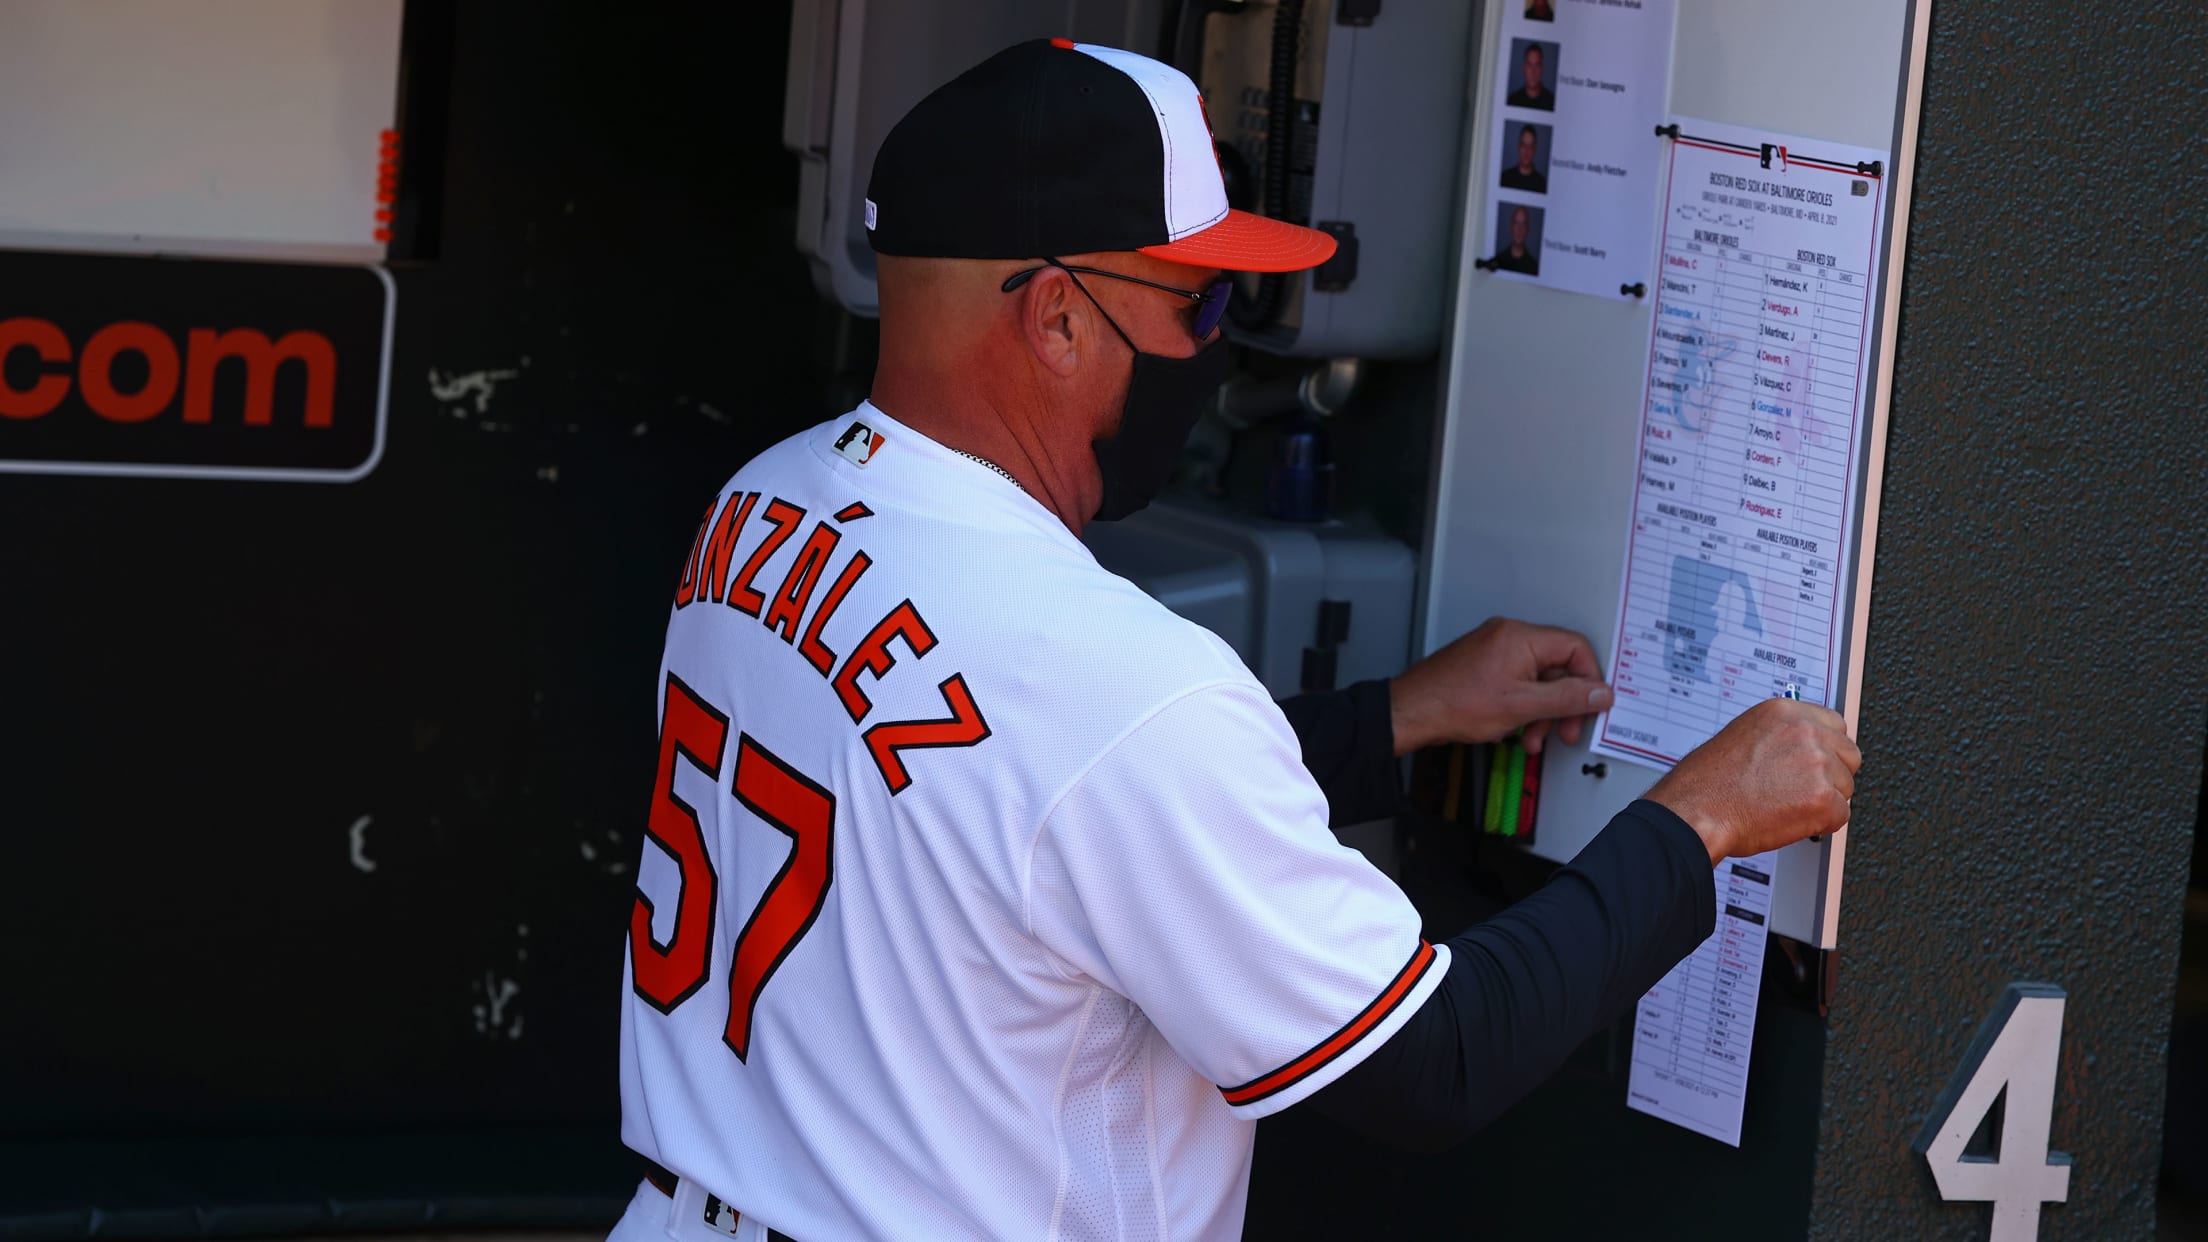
(1528, 986)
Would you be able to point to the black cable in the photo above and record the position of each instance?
(1280, 127)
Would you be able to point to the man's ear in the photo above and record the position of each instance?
(1053, 320)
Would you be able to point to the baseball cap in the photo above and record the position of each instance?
(1052, 147)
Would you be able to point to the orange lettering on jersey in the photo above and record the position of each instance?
(686, 590)
(785, 517)
(713, 564)
(872, 655)
(805, 811)
(666, 974)
(797, 585)
(816, 652)
(963, 727)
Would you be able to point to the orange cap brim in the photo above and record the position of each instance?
(1249, 243)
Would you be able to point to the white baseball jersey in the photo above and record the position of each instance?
(983, 896)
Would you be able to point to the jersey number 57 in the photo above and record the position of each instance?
(667, 974)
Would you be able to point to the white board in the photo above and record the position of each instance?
(1537, 454)
(246, 128)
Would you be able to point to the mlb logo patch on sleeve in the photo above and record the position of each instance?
(859, 442)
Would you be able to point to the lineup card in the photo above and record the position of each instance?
(1745, 505)
(1744, 510)
(1691, 1036)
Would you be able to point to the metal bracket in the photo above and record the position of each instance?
(1336, 273)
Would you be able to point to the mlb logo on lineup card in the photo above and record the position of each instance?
(860, 442)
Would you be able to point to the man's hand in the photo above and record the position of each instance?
(1494, 679)
(1782, 771)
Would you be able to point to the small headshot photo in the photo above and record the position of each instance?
(1518, 239)
(1533, 74)
(1540, 10)
(1526, 156)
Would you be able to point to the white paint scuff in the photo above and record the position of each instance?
(357, 836)
(457, 388)
(491, 1016)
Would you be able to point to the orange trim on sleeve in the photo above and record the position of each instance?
(1304, 1066)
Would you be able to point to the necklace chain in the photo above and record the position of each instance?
(992, 465)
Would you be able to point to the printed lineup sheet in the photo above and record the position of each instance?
(1745, 503)
(1744, 511)
(1690, 1040)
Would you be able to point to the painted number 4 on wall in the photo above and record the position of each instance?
(2013, 1061)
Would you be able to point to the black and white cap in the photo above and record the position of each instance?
(1053, 147)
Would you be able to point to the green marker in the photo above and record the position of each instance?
(1514, 787)
(1492, 819)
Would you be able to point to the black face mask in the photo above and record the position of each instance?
(1165, 397)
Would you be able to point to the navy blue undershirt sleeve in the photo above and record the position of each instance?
(1348, 740)
(1526, 987)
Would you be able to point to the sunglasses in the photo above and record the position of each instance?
(1211, 303)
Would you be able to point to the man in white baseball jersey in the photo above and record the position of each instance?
(986, 898)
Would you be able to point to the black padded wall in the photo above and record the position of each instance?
(211, 999)
(2033, 698)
